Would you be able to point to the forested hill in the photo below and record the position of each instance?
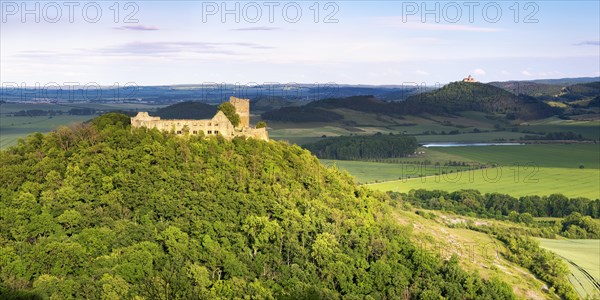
(463, 96)
(104, 211)
(450, 99)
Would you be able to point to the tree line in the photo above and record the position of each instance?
(359, 147)
(497, 204)
(580, 214)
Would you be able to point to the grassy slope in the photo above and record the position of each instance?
(477, 251)
(584, 254)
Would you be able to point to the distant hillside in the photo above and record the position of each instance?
(366, 103)
(566, 81)
(461, 96)
(594, 102)
(187, 110)
(565, 90)
(529, 88)
(266, 103)
(451, 99)
(321, 110)
(402, 95)
(581, 91)
(301, 114)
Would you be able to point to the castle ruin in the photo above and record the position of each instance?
(469, 79)
(218, 125)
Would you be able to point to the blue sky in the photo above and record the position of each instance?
(372, 42)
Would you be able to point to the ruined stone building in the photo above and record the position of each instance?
(469, 79)
(218, 125)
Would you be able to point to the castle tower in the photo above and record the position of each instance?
(242, 108)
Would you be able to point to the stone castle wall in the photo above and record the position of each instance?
(242, 108)
(218, 125)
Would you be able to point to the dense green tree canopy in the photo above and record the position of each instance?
(496, 204)
(364, 147)
(105, 211)
(229, 110)
(261, 124)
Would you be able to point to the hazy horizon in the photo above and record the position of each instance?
(348, 42)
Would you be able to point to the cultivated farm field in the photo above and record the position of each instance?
(507, 180)
(583, 259)
(520, 170)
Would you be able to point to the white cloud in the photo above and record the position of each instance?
(421, 72)
(526, 73)
(137, 28)
(479, 72)
(588, 43)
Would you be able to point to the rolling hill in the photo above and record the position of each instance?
(462, 96)
(104, 211)
(529, 88)
(581, 91)
(448, 100)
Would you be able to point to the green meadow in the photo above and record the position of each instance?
(370, 172)
(547, 155)
(520, 170)
(583, 259)
(507, 180)
(589, 129)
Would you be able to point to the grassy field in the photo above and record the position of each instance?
(583, 258)
(557, 156)
(369, 172)
(589, 129)
(521, 170)
(527, 181)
